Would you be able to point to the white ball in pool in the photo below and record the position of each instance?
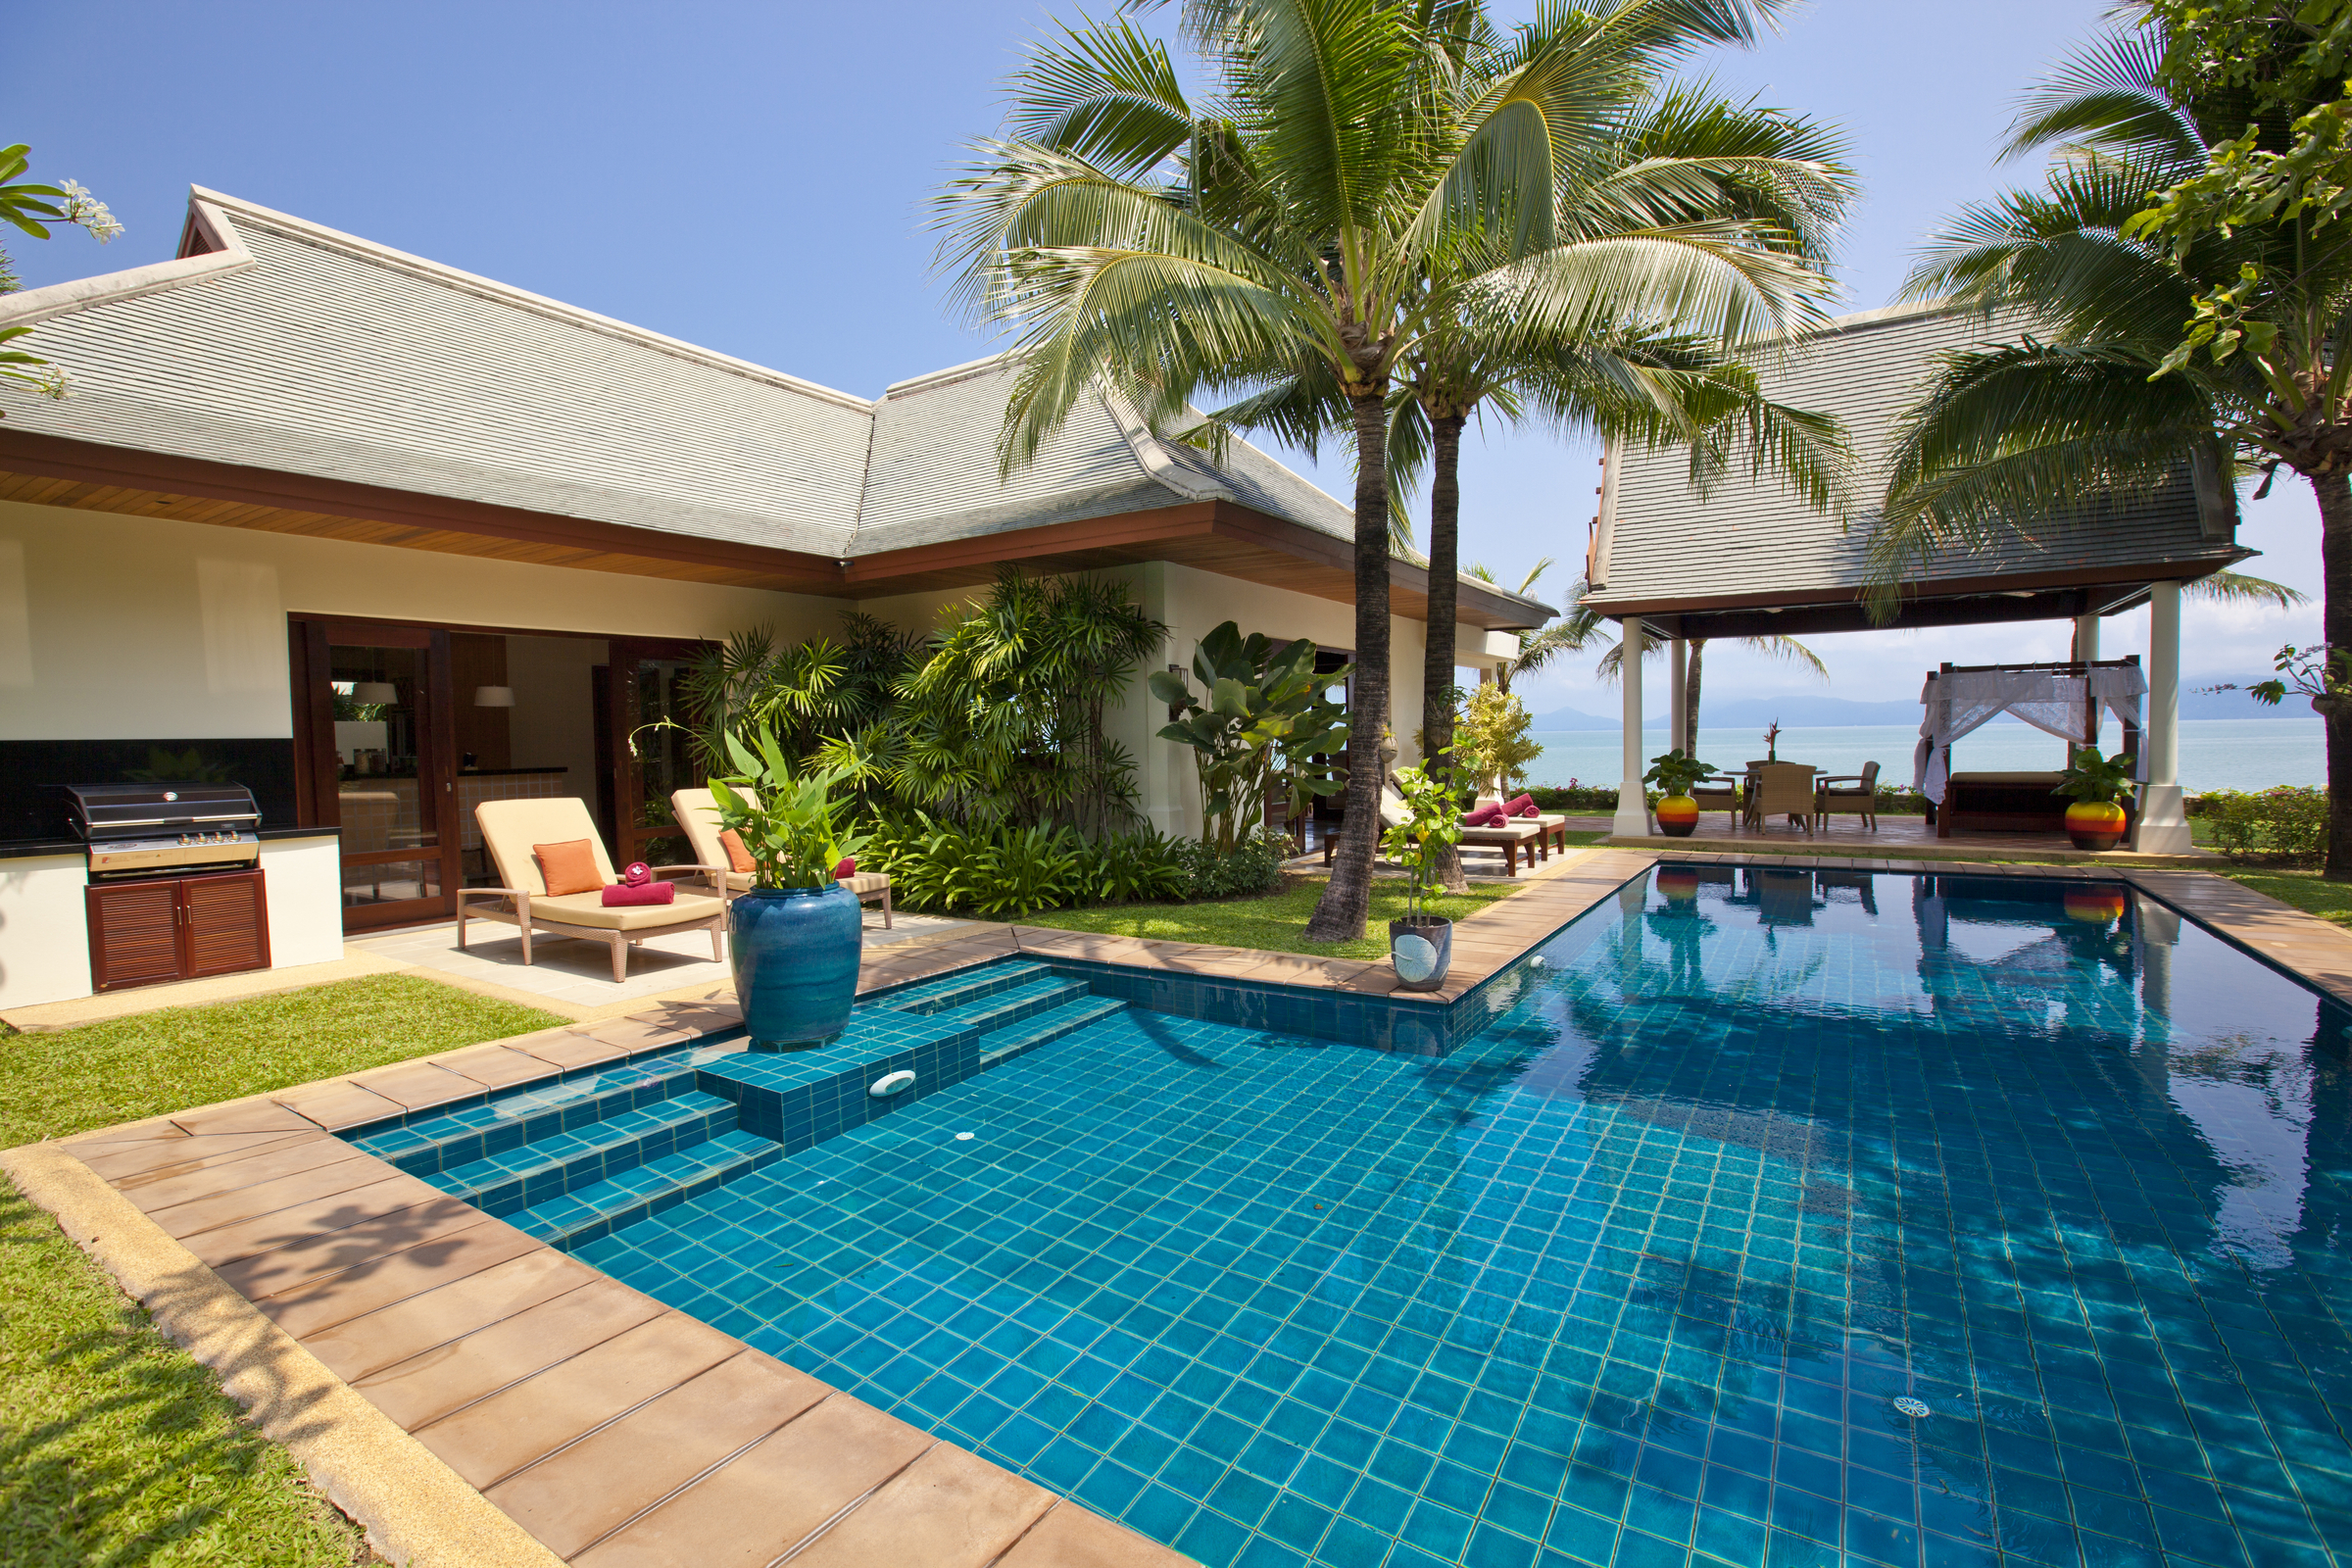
(1416, 958)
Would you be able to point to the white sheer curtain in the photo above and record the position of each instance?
(1967, 700)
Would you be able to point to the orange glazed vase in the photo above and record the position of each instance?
(2099, 906)
(1678, 815)
(2094, 824)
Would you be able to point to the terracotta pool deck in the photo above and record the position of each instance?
(528, 1408)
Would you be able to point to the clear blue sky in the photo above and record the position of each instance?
(752, 176)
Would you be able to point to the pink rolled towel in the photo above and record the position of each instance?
(1521, 805)
(1484, 817)
(636, 874)
(846, 869)
(623, 893)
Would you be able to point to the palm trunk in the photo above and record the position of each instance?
(1436, 669)
(1699, 654)
(1346, 900)
(2334, 492)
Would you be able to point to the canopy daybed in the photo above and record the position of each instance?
(2066, 700)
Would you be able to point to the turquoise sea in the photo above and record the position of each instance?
(2216, 753)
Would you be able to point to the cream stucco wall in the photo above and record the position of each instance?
(115, 626)
(44, 930)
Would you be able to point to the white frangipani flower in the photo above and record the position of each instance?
(89, 212)
(53, 381)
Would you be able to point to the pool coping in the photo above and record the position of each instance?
(157, 1202)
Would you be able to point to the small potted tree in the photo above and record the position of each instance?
(1672, 775)
(2097, 785)
(1421, 945)
(795, 935)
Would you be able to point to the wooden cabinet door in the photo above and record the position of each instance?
(134, 934)
(224, 922)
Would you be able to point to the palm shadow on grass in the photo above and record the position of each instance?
(117, 1447)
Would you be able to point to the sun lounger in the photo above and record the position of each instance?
(510, 828)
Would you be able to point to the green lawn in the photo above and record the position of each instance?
(66, 1081)
(2307, 891)
(116, 1446)
(1275, 922)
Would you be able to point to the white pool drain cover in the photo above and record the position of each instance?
(1910, 1406)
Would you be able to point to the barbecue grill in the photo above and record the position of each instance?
(144, 829)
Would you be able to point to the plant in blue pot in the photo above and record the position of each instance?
(795, 934)
(1421, 945)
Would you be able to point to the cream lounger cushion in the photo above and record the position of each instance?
(590, 910)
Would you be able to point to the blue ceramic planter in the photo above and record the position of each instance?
(795, 954)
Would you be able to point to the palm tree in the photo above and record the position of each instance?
(1788, 649)
(2096, 399)
(1292, 225)
(1573, 632)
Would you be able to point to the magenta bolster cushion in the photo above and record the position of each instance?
(619, 893)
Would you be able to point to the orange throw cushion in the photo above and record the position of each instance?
(739, 859)
(568, 867)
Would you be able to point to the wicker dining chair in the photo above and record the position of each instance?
(1856, 794)
(1783, 789)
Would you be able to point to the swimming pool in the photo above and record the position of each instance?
(1638, 1271)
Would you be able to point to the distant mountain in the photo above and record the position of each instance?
(1818, 712)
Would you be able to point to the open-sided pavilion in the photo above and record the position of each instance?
(1748, 558)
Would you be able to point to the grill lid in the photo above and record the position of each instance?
(136, 811)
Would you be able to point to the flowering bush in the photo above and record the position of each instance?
(2286, 826)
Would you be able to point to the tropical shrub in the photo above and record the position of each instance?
(2286, 826)
(1491, 746)
(999, 871)
(791, 825)
(1433, 824)
(1264, 724)
(996, 716)
(1253, 865)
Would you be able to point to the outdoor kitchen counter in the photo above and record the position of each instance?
(29, 849)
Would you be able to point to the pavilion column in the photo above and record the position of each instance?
(1678, 700)
(1632, 808)
(2086, 652)
(2163, 824)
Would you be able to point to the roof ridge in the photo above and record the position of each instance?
(491, 289)
(228, 255)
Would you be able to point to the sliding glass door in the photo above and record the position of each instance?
(377, 748)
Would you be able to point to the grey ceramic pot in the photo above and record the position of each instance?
(1421, 948)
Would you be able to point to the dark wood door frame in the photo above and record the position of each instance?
(319, 768)
(629, 837)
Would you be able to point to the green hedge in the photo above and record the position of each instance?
(996, 873)
(2282, 826)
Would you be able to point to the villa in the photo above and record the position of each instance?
(379, 540)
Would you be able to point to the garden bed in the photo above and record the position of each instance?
(1274, 923)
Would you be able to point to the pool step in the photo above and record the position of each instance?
(1000, 1045)
(565, 1161)
(956, 990)
(510, 1121)
(1006, 1007)
(598, 1209)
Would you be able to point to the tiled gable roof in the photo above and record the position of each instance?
(1755, 538)
(281, 345)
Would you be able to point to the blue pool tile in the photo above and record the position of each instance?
(1628, 1267)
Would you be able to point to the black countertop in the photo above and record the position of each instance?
(26, 849)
